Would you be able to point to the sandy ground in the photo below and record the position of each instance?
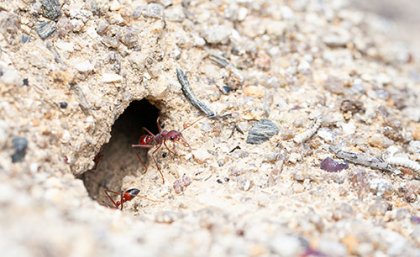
(81, 80)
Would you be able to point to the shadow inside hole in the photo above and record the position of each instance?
(117, 159)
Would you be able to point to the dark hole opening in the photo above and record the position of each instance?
(117, 159)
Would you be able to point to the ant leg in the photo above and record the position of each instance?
(143, 146)
(173, 153)
(152, 200)
(107, 191)
(141, 161)
(157, 165)
(122, 200)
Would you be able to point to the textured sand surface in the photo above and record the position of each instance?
(290, 81)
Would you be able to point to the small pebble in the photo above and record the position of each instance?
(415, 219)
(154, 10)
(51, 9)
(63, 105)
(285, 245)
(261, 131)
(45, 28)
(244, 184)
(379, 208)
(167, 217)
(326, 134)
(83, 65)
(181, 184)
(331, 165)
(20, 145)
(201, 155)
(111, 78)
(10, 76)
(352, 106)
(25, 39)
(217, 34)
(25, 82)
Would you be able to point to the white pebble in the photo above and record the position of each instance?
(348, 128)
(201, 156)
(217, 34)
(111, 78)
(83, 65)
(286, 245)
(326, 135)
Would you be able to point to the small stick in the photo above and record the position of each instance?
(302, 137)
(364, 160)
(222, 62)
(404, 162)
(186, 89)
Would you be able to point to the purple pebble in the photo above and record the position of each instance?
(415, 219)
(331, 165)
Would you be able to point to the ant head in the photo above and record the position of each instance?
(174, 135)
(133, 192)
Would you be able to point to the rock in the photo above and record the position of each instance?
(154, 10)
(332, 248)
(255, 91)
(3, 134)
(19, 144)
(244, 184)
(416, 132)
(261, 131)
(285, 245)
(64, 27)
(217, 34)
(111, 78)
(337, 38)
(379, 141)
(174, 14)
(331, 165)
(83, 65)
(45, 28)
(10, 76)
(348, 128)
(379, 208)
(352, 106)
(294, 157)
(334, 85)
(51, 9)
(201, 155)
(326, 134)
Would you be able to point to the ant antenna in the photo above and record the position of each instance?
(189, 125)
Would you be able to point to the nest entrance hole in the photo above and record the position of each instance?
(117, 159)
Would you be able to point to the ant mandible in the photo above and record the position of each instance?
(151, 140)
(125, 196)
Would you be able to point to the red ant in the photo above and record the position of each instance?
(125, 196)
(152, 140)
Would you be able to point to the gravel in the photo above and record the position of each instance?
(282, 82)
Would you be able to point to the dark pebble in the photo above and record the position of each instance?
(227, 89)
(25, 38)
(19, 144)
(25, 82)
(45, 28)
(51, 9)
(262, 131)
(331, 165)
(63, 105)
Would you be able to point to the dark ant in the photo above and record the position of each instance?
(125, 196)
(152, 140)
